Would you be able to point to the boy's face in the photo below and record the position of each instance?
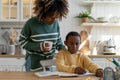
(72, 44)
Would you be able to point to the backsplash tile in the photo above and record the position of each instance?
(104, 34)
(6, 26)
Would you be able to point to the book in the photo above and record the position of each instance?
(61, 74)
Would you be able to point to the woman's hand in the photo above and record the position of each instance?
(46, 46)
(99, 72)
(79, 70)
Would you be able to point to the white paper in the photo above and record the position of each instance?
(61, 74)
(87, 74)
(46, 73)
(64, 74)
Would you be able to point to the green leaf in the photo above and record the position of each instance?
(84, 14)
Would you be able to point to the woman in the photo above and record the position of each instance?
(42, 31)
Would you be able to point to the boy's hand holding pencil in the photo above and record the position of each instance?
(79, 70)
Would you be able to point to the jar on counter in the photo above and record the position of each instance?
(12, 49)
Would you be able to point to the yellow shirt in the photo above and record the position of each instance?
(67, 62)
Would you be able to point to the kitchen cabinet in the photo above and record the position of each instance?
(16, 10)
(104, 62)
(100, 61)
(12, 64)
(26, 9)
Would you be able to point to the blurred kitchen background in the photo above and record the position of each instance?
(110, 12)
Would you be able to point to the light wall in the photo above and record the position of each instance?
(97, 10)
(73, 24)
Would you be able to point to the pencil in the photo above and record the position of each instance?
(109, 60)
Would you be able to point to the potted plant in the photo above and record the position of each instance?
(85, 16)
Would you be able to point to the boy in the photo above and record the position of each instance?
(73, 61)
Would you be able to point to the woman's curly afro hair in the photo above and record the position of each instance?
(45, 8)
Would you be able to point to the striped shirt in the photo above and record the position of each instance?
(33, 33)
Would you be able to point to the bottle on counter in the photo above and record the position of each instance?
(4, 50)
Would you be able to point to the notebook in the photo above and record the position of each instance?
(61, 74)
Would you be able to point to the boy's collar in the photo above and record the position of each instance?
(77, 53)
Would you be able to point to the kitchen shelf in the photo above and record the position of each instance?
(89, 26)
(101, 1)
(101, 24)
(92, 2)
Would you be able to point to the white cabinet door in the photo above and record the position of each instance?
(9, 10)
(100, 61)
(12, 64)
(16, 10)
(26, 9)
(104, 62)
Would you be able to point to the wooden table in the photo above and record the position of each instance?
(7, 75)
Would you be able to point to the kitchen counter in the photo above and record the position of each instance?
(91, 56)
(104, 56)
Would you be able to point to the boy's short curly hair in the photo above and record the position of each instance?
(72, 33)
(45, 8)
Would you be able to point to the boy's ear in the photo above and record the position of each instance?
(65, 42)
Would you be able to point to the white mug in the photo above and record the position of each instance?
(22, 51)
(50, 44)
(12, 49)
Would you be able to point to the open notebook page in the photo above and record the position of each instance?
(62, 74)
